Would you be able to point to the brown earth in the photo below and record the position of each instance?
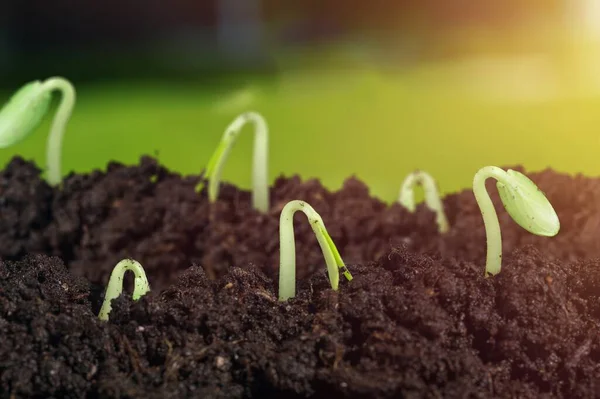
(418, 320)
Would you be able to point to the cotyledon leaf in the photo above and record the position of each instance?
(528, 206)
(23, 113)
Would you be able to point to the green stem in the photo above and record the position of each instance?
(490, 217)
(57, 131)
(214, 168)
(115, 284)
(432, 196)
(287, 249)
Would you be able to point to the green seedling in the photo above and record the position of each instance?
(260, 187)
(287, 249)
(432, 196)
(24, 112)
(524, 202)
(115, 284)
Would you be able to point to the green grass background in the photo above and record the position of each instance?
(371, 122)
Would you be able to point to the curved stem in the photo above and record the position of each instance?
(260, 190)
(115, 284)
(432, 196)
(57, 131)
(406, 197)
(493, 262)
(287, 249)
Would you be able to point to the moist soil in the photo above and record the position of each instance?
(418, 320)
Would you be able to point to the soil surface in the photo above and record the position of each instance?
(154, 216)
(418, 320)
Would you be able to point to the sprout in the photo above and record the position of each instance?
(24, 112)
(260, 191)
(524, 202)
(115, 284)
(287, 249)
(432, 197)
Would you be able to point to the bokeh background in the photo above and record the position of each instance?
(374, 89)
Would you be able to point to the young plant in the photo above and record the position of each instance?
(260, 190)
(287, 249)
(524, 202)
(115, 284)
(24, 112)
(432, 196)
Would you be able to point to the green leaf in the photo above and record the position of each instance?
(210, 168)
(336, 254)
(23, 113)
(528, 206)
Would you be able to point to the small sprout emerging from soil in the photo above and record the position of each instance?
(260, 187)
(24, 112)
(432, 196)
(524, 202)
(287, 249)
(115, 284)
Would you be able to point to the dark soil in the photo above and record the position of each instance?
(421, 321)
(154, 216)
(407, 326)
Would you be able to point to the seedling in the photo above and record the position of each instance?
(432, 196)
(287, 249)
(260, 189)
(524, 202)
(24, 112)
(115, 284)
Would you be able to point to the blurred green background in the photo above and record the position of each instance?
(360, 94)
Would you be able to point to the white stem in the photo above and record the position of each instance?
(287, 248)
(432, 196)
(115, 284)
(260, 186)
(493, 262)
